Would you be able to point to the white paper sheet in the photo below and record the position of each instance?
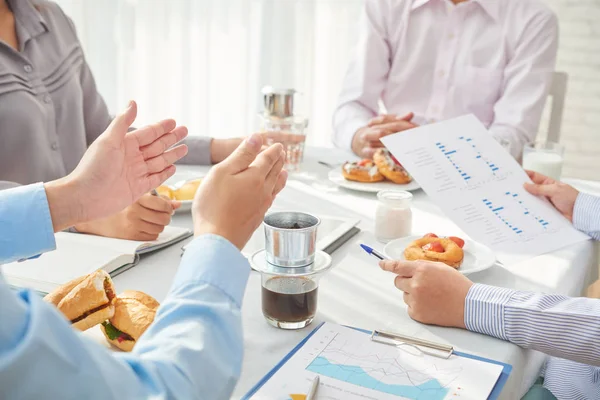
(480, 187)
(351, 367)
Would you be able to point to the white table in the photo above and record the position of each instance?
(356, 292)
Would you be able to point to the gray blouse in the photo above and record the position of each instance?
(50, 110)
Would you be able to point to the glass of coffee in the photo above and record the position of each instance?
(290, 295)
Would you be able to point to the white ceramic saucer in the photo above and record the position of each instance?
(259, 263)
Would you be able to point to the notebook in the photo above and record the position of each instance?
(78, 254)
(351, 366)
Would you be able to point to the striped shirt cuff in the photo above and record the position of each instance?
(484, 310)
(586, 214)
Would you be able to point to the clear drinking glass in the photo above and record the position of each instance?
(291, 132)
(545, 158)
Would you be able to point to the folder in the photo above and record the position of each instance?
(494, 394)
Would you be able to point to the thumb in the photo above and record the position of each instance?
(243, 156)
(408, 117)
(119, 126)
(175, 204)
(542, 190)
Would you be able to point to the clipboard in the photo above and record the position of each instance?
(495, 393)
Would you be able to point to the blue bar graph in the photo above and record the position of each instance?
(497, 213)
(515, 197)
(448, 154)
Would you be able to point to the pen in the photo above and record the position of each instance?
(373, 252)
(153, 192)
(312, 394)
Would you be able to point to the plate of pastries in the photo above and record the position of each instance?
(91, 300)
(383, 172)
(183, 191)
(465, 256)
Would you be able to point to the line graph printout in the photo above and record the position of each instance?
(479, 186)
(351, 367)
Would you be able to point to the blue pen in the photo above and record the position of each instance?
(373, 252)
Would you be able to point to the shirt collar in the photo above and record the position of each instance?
(29, 18)
(489, 6)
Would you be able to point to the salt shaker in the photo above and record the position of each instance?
(393, 217)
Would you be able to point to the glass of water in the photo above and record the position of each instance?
(545, 158)
(291, 132)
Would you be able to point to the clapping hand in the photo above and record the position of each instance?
(116, 170)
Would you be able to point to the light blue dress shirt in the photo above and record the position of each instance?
(193, 350)
(564, 327)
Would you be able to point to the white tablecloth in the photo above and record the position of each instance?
(356, 292)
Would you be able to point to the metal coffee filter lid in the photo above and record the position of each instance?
(278, 102)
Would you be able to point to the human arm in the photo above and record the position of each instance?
(526, 81)
(557, 325)
(193, 348)
(366, 76)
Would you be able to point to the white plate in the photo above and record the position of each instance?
(186, 205)
(335, 176)
(477, 256)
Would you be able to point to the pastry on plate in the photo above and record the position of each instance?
(166, 191)
(362, 171)
(134, 312)
(188, 190)
(85, 301)
(390, 168)
(433, 248)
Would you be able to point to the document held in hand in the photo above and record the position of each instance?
(479, 186)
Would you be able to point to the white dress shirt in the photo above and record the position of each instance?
(491, 58)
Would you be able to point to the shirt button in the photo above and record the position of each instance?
(441, 73)
(28, 68)
(451, 36)
(47, 99)
(54, 146)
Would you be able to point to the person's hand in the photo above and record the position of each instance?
(220, 149)
(116, 170)
(236, 194)
(366, 140)
(143, 220)
(561, 195)
(434, 292)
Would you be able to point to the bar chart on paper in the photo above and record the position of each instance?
(479, 186)
(352, 367)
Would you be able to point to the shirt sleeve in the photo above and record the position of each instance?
(192, 350)
(198, 151)
(586, 214)
(557, 325)
(527, 79)
(366, 76)
(25, 224)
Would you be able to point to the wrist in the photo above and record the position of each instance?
(66, 210)
(206, 228)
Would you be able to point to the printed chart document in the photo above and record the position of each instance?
(479, 186)
(352, 367)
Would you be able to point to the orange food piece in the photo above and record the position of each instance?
(434, 246)
(430, 235)
(458, 241)
(364, 163)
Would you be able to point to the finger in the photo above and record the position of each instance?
(155, 217)
(151, 133)
(380, 119)
(408, 299)
(144, 237)
(244, 155)
(156, 203)
(395, 127)
(281, 181)
(266, 160)
(155, 180)
(149, 227)
(398, 267)
(176, 204)
(402, 283)
(273, 174)
(164, 142)
(368, 152)
(169, 157)
(538, 178)
(373, 135)
(542, 190)
(375, 145)
(121, 123)
(407, 117)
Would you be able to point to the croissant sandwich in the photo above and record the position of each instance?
(86, 301)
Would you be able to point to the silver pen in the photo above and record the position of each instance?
(312, 394)
(153, 192)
